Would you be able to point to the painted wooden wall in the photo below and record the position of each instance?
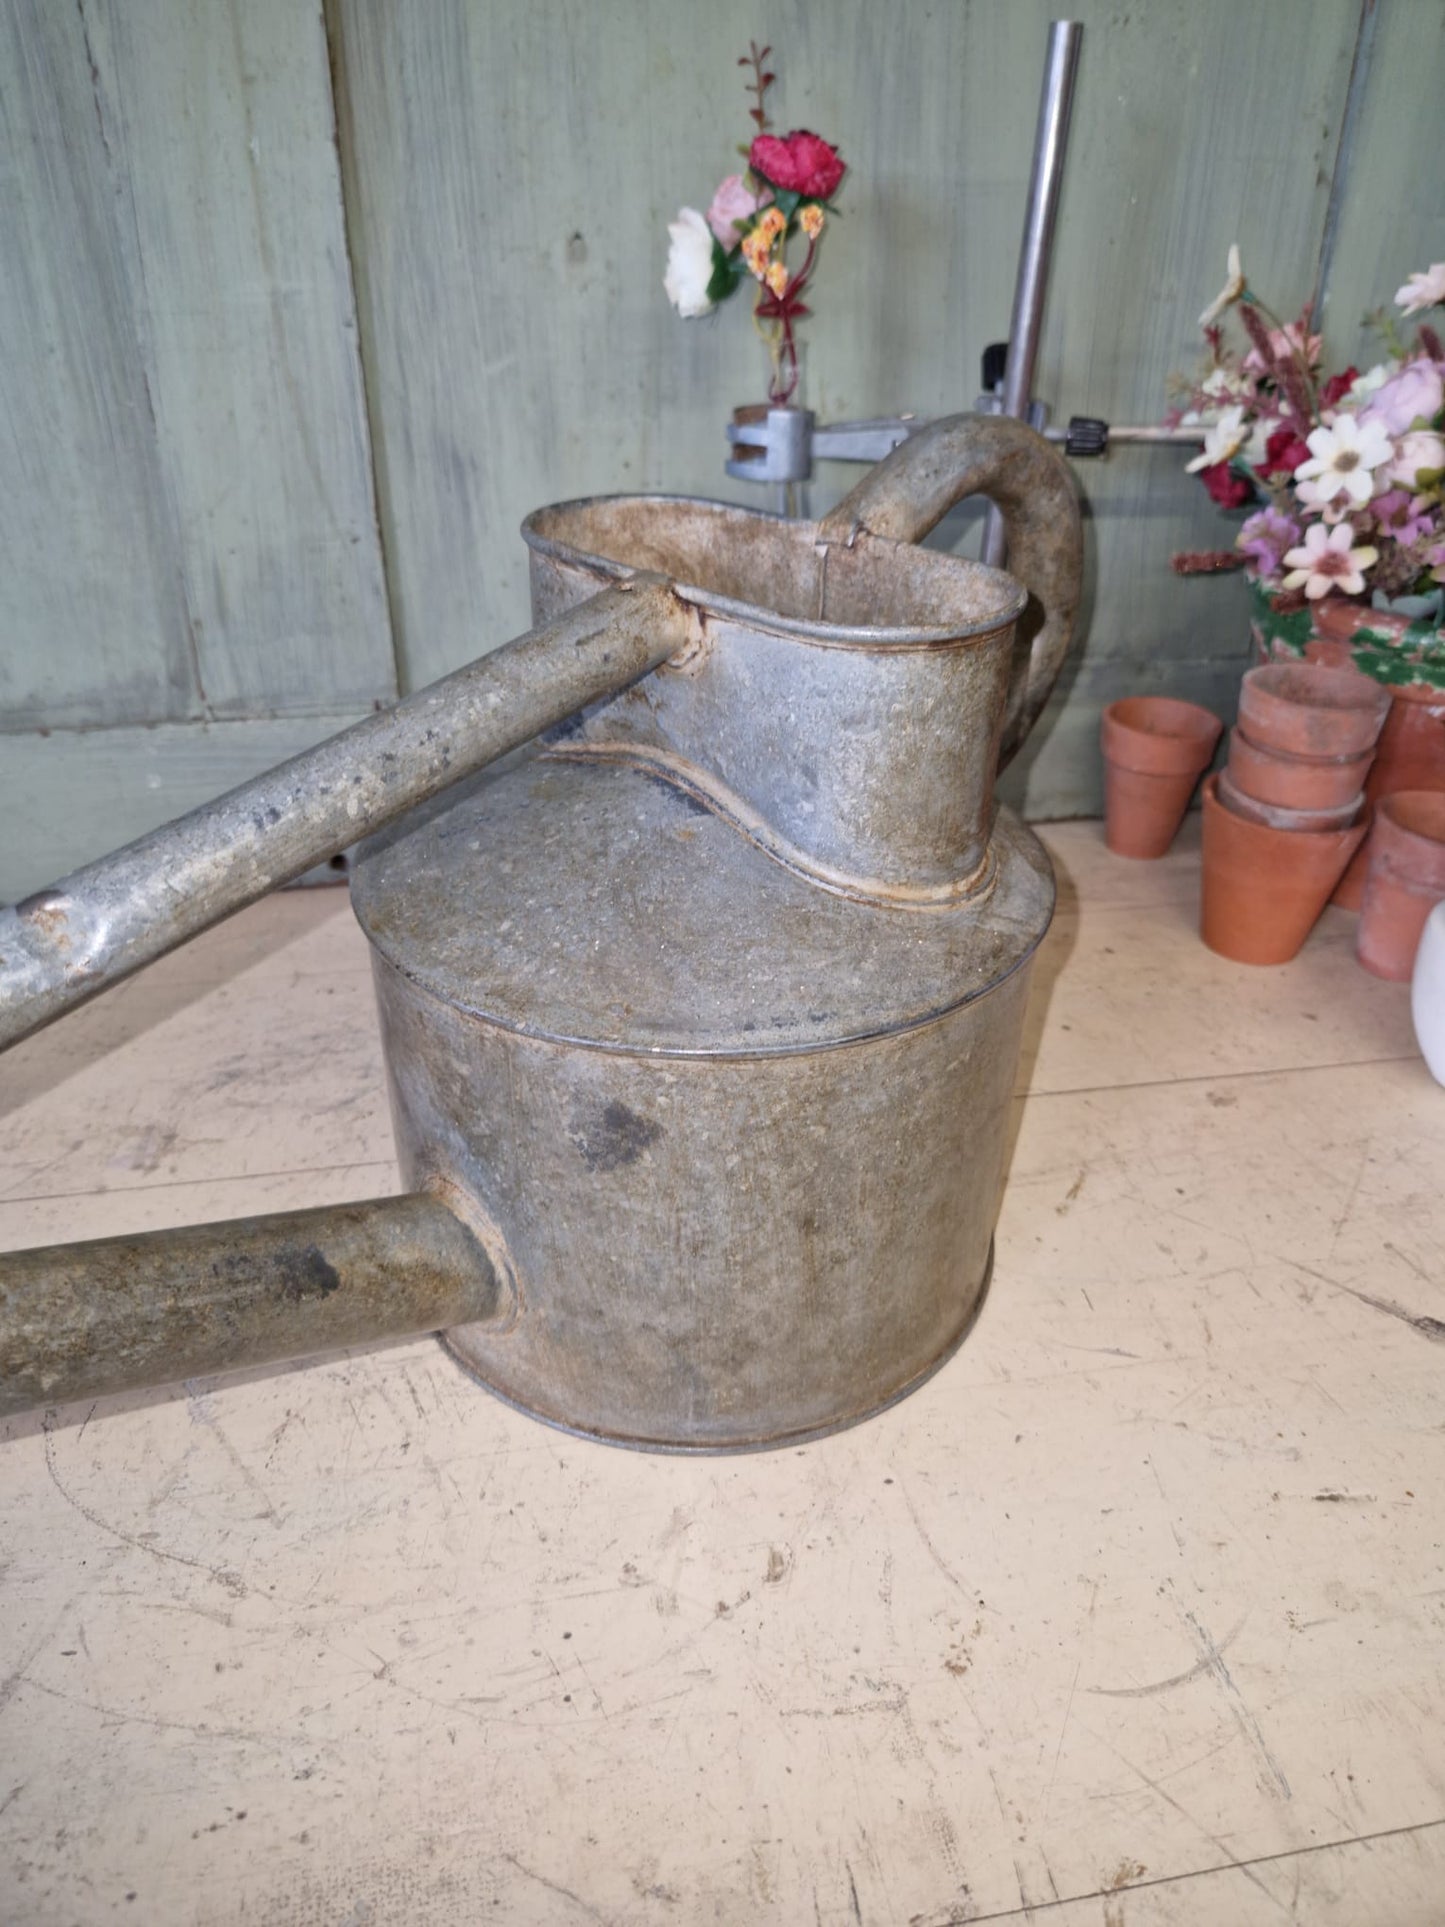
(292, 344)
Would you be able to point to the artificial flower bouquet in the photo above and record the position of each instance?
(786, 190)
(1342, 473)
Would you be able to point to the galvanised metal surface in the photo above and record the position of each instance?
(843, 700)
(1027, 482)
(114, 1314)
(715, 1004)
(704, 1019)
(62, 945)
(744, 1138)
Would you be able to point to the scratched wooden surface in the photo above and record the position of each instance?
(1134, 1614)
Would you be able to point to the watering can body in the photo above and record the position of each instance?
(703, 1017)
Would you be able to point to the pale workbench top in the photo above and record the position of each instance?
(1133, 1614)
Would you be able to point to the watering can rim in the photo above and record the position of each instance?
(825, 635)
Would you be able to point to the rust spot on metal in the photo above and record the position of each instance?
(695, 651)
(49, 913)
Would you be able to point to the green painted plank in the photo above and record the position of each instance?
(74, 795)
(92, 621)
(1392, 219)
(223, 124)
(189, 523)
(511, 167)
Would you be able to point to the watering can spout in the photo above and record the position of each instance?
(114, 1315)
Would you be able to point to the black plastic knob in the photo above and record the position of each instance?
(1087, 435)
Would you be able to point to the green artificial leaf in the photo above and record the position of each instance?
(1293, 630)
(726, 272)
(1384, 666)
(786, 201)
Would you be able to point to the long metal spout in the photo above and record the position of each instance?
(117, 1314)
(62, 945)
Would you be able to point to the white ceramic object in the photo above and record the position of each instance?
(1427, 993)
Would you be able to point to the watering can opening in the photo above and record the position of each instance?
(865, 590)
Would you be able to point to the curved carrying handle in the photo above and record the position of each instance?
(993, 455)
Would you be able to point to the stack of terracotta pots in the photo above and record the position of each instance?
(1284, 818)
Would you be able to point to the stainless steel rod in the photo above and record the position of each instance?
(1046, 178)
(1152, 437)
(63, 945)
(119, 1314)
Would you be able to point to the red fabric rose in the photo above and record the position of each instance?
(1336, 388)
(1284, 451)
(798, 163)
(1231, 491)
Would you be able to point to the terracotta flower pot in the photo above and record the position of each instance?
(1295, 782)
(1263, 888)
(1306, 710)
(1155, 749)
(1404, 882)
(1275, 816)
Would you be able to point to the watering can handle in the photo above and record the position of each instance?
(993, 455)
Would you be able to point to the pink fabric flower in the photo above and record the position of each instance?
(1416, 392)
(1403, 516)
(1265, 537)
(733, 202)
(1328, 560)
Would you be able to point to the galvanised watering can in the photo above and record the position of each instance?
(701, 1018)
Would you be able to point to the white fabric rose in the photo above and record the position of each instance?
(689, 264)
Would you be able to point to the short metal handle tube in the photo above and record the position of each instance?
(1012, 464)
(118, 1314)
(62, 945)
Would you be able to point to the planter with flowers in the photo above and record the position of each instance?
(783, 197)
(1342, 481)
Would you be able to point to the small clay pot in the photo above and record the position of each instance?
(1295, 782)
(1306, 710)
(1275, 817)
(1404, 882)
(1265, 888)
(1155, 749)
(1409, 756)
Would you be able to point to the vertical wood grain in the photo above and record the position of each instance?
(225, 122)
(183, 431)
(189, 527)
(92, 618)
(512, 168)
(1392, 217)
